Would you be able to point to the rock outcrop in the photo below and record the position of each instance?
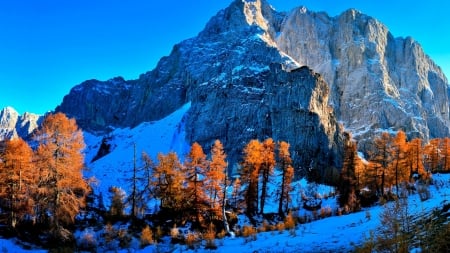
(376, 82)
(284, 105)
(13, 125)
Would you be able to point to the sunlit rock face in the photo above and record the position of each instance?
(13, 125)
(285, 105)
(234, 69)
(377, 82)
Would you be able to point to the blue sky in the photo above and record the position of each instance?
(49, 46)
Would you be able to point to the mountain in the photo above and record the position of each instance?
(13, 125)
(253, 73)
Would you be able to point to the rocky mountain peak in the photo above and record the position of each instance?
(13, 125)
(375, 82)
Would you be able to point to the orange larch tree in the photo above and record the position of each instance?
(60, 162)
(168, 182)
(382, 155)
(399, 159)
(195, 171)
(432, 153)
(415, 158)
(215, 180)
(253, 159)
(445, 148)
(348, 186)
(18, 180)
(287, 175)
(267, 167)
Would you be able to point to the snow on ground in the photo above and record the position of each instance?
(333, 234)
(116, 168)
(337, 233)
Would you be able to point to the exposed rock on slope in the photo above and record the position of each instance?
(376, 81)
(13, 125)
(290, 106)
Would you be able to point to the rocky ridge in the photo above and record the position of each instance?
(376, 82)
(13, 125)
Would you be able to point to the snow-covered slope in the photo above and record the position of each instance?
(116, 168)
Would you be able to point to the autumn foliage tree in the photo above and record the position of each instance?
(215, 180)
(168, 181)
(195, 172)
(18, 180)
(399, 159)
(61, 189)
(348, 187)
(251, 166)
(266, 169)
(287, 175)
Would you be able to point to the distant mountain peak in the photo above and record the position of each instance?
(13, 125)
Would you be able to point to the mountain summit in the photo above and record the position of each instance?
(254, 72)
(13, 125)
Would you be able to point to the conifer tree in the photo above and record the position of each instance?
(235, 194)
(433, 156)
(445, 147)
(348, 188)
(168, 182)
(215, 179)
(382, 155)
(267, 167)
(415, 157)
(399, 159)
(60, 162)
(253, 159)
(195, 171)
(18, 180)
(287, 175)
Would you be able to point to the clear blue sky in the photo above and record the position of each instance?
(49, 46)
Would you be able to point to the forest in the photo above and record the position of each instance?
(44, 197)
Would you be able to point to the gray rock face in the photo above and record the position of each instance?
(376, 82)
(13, 125)
(290, 106)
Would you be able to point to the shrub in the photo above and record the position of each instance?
(191, 240)
(209, 236)
(280, 227)
(146, 236)
(158, 233)
(249, 233)
(222, 234)
(289, 222)
(124, 238)
(88, 242)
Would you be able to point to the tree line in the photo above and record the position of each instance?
(196, 190)
(43, 188)
(393, 164)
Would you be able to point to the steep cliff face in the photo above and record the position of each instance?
(290, 106)
(13, 125)
(376, 82)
